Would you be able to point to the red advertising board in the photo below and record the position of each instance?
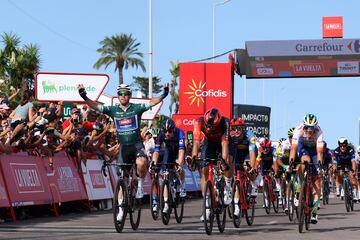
(332, 27)
(185, 121)
(4, 200)
(65, 182)
(204, 86)
(26, 180)
(192, 82)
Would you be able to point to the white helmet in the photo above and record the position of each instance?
(358, 149)
(123, 87)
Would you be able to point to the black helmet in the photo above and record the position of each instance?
(343, 140)
(168, 125)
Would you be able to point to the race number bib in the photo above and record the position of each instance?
(126, 124)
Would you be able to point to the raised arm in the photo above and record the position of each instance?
(92, 104)
(156, 100)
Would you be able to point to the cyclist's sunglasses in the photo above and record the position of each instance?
(309, 128)
(237, 128)
(124, 93)
(343, 145)
(168, 131)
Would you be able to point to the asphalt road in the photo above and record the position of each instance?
(334, 223)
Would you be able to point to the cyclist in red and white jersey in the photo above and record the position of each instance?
(308, 142)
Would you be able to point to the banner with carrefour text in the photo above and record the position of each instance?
(54, 87)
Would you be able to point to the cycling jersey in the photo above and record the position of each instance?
(176, 142)
(316, 139)
(127, 122)
(240, 147)
(343, 159)
(218, 134)
(328, 157)
(267, 159)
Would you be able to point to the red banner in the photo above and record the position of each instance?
(204, 86)
(26, 180)
(192, 84)
(65, 182)
(4, 200)
(185, 121)
(332, 27)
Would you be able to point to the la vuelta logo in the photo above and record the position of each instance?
(198, 93)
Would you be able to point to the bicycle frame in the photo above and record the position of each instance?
(269, 179)
(244, 181)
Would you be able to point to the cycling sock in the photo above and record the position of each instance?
(140, 182)
(236, 200)
(228, 182)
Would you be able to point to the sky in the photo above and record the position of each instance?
(68, 33)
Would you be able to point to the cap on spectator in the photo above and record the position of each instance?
(75, 110)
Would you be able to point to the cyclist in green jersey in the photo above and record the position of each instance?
(127, 117)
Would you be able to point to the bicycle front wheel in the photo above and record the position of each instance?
(302, 207)
(236, 204)
(135, 205)
(220, 210)
(154, 208)
(290, 200)
(266, 197)
(250, 212)
(120, 205)
(208, 208)
(178, 203)
(165, 202)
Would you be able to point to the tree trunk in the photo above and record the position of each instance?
(121, 77)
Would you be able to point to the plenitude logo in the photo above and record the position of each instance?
(50, 87)
(198, 93)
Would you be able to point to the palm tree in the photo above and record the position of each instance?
(122, 50)
(142, 84)
(174, 92)
(18, 64)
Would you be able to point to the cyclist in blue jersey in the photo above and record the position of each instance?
(171, 143)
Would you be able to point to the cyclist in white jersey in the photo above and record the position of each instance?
(308, 142)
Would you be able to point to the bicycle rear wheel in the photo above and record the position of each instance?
(208, 208)
(266, 195)
(236, 205)
(220, 210)
(120, 203)
(178, 203)
(154, 188)
(250, 212)
(135, 205)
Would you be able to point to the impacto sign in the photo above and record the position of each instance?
(51, 87)
(204, 86)
(332, 27)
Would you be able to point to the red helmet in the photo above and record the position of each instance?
(212, 118)
(237, 122)
(266, 143)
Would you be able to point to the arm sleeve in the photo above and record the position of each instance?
(158, 142)
(252, 141)
(181, 140)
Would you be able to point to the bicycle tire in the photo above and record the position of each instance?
(165, 217)
(120, 186)
(266, 197)
(154, 185)
(346, 195)
(236, 219)
(208, 196)
(290, 202)
(250, 212)
(283, 193)
(302, 207)
(178, 203)
(309, 202)
(220, 210)
(135, 205)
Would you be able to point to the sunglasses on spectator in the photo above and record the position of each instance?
(124, 93)
(237, 128)
(309, 128)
